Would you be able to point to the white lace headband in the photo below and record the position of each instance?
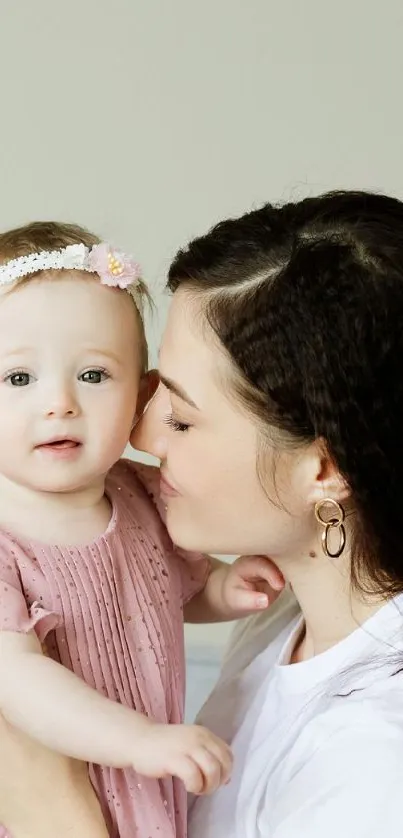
(114, 268)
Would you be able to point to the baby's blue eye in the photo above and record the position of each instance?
(19, 379)
(93, 376)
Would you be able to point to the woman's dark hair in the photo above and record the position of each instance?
(307, 299)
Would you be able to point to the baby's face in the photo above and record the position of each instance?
(69, 377)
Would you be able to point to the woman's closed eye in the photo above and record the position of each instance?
(175, 424)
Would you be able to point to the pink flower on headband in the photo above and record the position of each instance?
(113, 267)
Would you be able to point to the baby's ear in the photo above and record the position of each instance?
(148, 386)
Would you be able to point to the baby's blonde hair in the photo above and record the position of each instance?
(55, 235)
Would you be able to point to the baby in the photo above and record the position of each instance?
(87, 567)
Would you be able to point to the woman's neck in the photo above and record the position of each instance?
(331, 607)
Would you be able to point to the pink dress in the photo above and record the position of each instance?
(111, 611)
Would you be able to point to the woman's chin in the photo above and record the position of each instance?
(190, 537)
(182, 534)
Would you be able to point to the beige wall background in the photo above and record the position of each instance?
(148, 121)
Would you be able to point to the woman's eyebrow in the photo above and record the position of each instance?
(177, 390)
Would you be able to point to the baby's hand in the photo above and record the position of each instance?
(199, 758)
(251, 583)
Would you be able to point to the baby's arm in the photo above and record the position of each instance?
(52, 705)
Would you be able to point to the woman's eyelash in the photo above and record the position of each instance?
(175, 425)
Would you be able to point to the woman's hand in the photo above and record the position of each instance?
(43, 794)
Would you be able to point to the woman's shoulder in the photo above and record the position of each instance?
(344, 772)
(350, 732)
(252, 636)
(374, 712)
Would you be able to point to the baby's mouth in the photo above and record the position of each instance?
(60, 444)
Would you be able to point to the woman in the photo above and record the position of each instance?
(278, 424)
(282, 389)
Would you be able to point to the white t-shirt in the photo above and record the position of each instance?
(318, 745)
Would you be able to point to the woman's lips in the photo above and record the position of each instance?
(167, 490)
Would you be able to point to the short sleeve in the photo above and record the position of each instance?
(16, 613)
(193, 568)
(351, 786)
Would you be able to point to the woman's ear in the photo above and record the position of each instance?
(147, 389)
(326, 479)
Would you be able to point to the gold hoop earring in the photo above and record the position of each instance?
(335, 522)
